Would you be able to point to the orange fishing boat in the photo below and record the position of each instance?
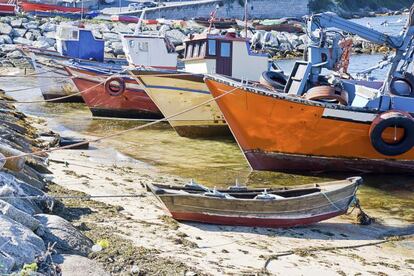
(320, 123)
(282, 132)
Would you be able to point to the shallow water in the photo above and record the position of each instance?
(212, 163)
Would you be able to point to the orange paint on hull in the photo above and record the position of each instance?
(274, 129)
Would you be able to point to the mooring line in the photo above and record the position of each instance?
(122, 132)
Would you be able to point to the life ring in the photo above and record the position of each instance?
(325, 93)
(396, 119)
(273, 79)
(115, 86)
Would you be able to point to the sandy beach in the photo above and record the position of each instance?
(142, 222)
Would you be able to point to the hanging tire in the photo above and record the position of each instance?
(392, 119)
(327, 94)
(115, 86)
(273, 79)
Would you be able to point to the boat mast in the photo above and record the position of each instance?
(245, 19)
(139, 24)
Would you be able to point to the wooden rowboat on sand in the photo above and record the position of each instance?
(239, 206)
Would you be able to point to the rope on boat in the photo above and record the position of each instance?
(120, 132)
(67, 96)
(301, 251)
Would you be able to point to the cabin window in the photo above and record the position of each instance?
(143, 46)
(189, 53)
(211, 47)
(225, 49)
(203, 49)
(196, 50)
(75, 35)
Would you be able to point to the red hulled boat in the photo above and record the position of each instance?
(107, 96)
(36, 7)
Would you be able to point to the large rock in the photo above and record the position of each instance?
(16, 23)
(41, 44)
(29, 36)
(8, 48)
(175, 36)
(97, 34)
(7, 263)
(19, 32)
(23, 41)
(19, 242)
(7, 39)
(5, 29)
(48, 40)
(118, 49)
(50, 35)
(18, 216)
(10, 187)
(15, 54)
(121, 28)
(31, 25)
(111, 36)
(78, 265)
(48, 27)
(68, 239)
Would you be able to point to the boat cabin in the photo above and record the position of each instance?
(150, 50)
(224, 54)
(76, 42)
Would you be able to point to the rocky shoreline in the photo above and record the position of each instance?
(40, 32)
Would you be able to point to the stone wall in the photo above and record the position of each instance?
(232, 9)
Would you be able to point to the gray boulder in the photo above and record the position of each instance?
(18, 216)
(19, 32)
(78, 265)
(97, 34)
(7, 263)
(7, 39)
(10, 186)
(108, 50)
(15, 54)
(16, 23)
(110, 36)
(41, 44)
(31, 25)
(36, 33)
(5, 29)
(118, 49)
(8, 48)
(19, 242)
(5, 19)
(48, 27)
(121, 28)
(23, 41)
(68, 239)
(175, 36)
(47, 40)
(29, 36)
(50, 35)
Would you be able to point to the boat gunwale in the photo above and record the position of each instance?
(352, 181)
(283, 96)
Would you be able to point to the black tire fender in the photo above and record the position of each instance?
(390, 119)
(273, 79)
